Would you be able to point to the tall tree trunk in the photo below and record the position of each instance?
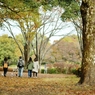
(26, 53)
(88, 56)
(39, 61)
(36, 44)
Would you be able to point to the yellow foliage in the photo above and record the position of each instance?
(30, 36)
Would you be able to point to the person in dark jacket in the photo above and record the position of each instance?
(20, 65)
(5, 66)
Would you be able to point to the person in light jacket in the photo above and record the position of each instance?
(30, 67)
(36, 67)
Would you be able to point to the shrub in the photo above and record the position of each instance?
(77, 72)
(52, 71)
(59, 70)
(42, 70)
(64, 71)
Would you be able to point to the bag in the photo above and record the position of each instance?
(5, 65)
(20, 64)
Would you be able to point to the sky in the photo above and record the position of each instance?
(64, 31)
(70, 29)
(5, 31)
(14, 28)
(52, 16)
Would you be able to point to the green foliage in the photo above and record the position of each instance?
(77, 72)
(42, 70)
(7, 48)
(43, 63)
(71, 7)
(72, 10)
(60, 71)
(52, 71)
(32, 5)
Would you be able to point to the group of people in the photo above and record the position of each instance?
(32, 66)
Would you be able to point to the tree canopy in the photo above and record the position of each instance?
(27, 15)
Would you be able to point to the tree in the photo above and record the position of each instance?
(28, 26)
(23, 15)
(88, 55)
(8, 48)
(72, 14)
(51, 25)
(66, 50)
(25, 19)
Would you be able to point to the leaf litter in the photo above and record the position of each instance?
(43, 86)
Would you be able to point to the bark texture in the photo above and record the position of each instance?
(88, 60)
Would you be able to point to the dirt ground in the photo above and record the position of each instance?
(25, 74)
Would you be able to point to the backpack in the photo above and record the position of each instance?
(5, 65)
(20, 63)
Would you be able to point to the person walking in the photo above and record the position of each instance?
(20, 65)
(5, 66)
(36, 67)
(30, 67)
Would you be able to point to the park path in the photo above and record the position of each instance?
(25, 74)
